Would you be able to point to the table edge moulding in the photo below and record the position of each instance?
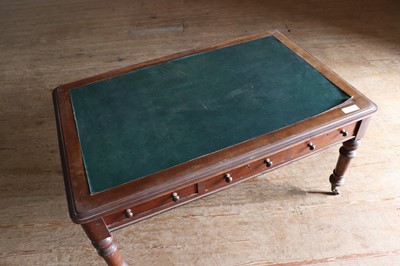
(104, 209)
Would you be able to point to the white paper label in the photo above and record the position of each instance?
(350, 109)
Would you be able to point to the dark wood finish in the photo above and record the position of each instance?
(103, 241)
(145, 209)
(347, 152)
(109, 210)
(238, 174)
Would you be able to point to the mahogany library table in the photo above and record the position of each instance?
(149, 137)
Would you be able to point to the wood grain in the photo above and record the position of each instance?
(279, 218)
(85, 206)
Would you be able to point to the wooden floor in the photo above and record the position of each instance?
(282, 218)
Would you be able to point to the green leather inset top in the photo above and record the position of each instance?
(154, 118)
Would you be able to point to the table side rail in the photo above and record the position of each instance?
(233, 176)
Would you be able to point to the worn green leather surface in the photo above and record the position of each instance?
(151, 119)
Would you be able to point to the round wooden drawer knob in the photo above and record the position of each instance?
(311, 146)
(228, 178)
(175, 196)
(344, 132)
(128, 213)
(268, 162)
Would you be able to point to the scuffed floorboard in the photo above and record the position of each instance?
(283, 218)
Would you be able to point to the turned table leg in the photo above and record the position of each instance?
(104, 243)
(347, 152)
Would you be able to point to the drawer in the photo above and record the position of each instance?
(269, 162)
(230, 177)
(146, 208)
(321, 141)
(235, 175)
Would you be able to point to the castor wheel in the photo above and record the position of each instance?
(335, 191)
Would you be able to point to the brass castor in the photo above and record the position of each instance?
(335, 191)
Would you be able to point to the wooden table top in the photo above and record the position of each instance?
(130, 135)
(150, 119)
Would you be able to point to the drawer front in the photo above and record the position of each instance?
(229, 177)
(270, 162)
(143, 209)
(322, 141)
(237, 174)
